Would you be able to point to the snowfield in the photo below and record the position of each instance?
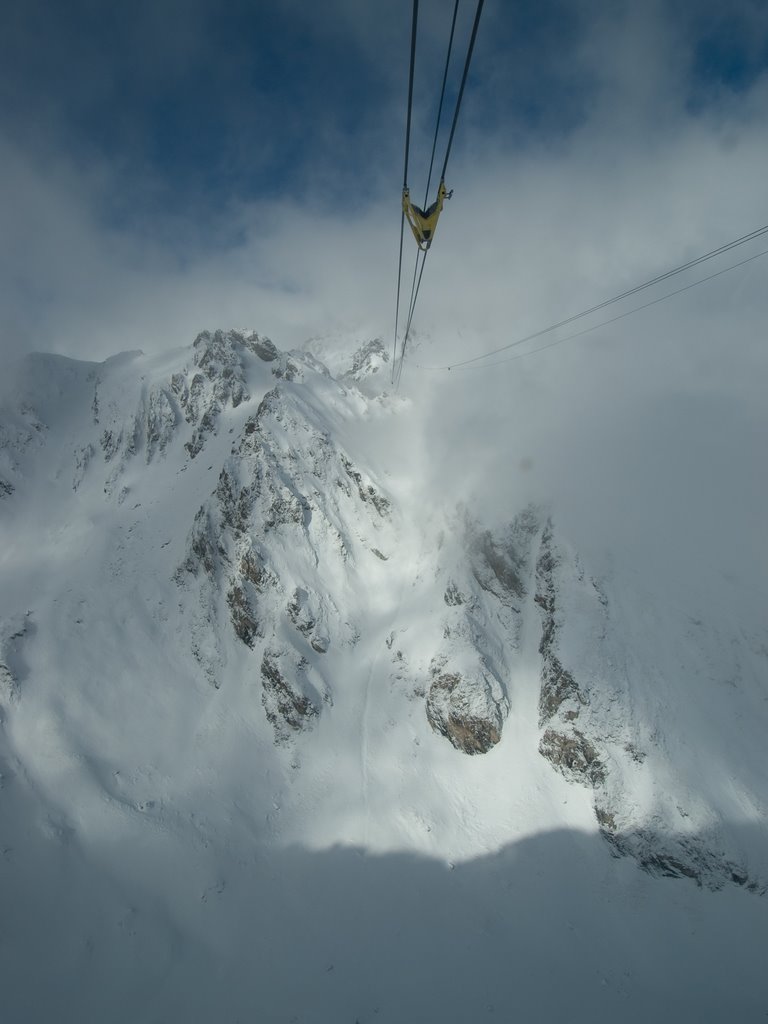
(287, 736)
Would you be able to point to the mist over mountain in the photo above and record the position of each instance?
(321, 701)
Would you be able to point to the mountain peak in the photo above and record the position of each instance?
(237, 618)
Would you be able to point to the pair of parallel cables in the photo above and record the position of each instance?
(479, 361)
(421, 255)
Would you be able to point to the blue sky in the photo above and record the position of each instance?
(194, 144)
(193, 105)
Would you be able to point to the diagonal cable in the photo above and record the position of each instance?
(603, 323)
(757, 233)
(467, 62)
(405, 173)
(440, 106)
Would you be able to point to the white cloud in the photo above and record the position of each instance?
(649, 432)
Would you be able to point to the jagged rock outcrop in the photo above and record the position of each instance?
(83, 458)
(699, 858)
(561, 698)
(19, 436)
(287, 704)
(306, 611)
(290, 507)
(216, 379)
(589, 736)
(499, 565)
(8, 686)
(468, 710)
(263, 348)
(369, 360)
(187, 406)
(573, 756)
(158, 419)
(13, 669)
(302, 585)
(467, 700)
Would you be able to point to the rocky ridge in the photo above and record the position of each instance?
(468, 699)
(290, 511)
(280, 552)
(590, 738)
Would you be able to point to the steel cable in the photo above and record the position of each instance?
(416, 284)
(757, 233)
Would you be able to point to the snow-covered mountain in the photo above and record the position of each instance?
(286, 736)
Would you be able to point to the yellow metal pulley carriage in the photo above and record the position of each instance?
(424, 222)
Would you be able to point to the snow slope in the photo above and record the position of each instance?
(288, 737)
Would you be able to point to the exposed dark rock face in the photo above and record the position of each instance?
(19, 435)
(465, 712)
(244, 621)
(306, 611)
(290, 543)
(561, 699)
(158, 422)
(287, 707)
(13, 668)
(498, 568)
(285, 493)
(204, 551)
(151, 429)
(110, 443)
(365, 490)
(585, 738)
(558, 687)
(679, 856)
(573, 756)
(467, 700)
(502, 561)
(560, 693)
(286, 369)
(369, 360)
(264, 349)
(219, 380)
(186, 409)
(83, 458)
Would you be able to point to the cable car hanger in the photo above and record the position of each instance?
(423, 220)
